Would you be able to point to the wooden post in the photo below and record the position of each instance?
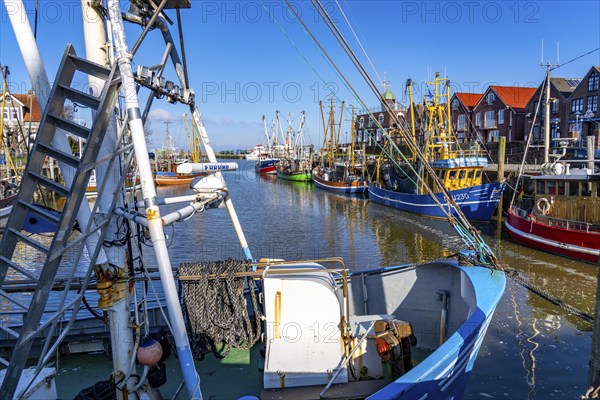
(501, 157)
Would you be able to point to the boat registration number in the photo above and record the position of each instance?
(460, 196)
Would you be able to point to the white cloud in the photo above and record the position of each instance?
(160, 114)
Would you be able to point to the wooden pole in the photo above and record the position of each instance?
(501, 157)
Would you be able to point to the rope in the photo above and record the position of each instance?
(215, 308)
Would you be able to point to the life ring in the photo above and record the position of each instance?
(543, 206)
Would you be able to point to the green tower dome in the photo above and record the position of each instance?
(388, 95)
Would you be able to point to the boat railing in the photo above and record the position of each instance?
(567, 224)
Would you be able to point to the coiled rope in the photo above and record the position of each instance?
(215, 309)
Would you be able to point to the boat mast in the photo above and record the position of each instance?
(155, 227)
(331, 142)
(339, 131)
(352, 169)
(547, 117)
(409, 85)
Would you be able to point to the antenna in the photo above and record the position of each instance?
(542, 61)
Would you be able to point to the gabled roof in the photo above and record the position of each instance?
(24, 99)
(469, 100)
(565, 86)
(515, 97)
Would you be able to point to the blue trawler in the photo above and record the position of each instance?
(407, 184)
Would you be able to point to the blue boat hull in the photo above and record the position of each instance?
(477, 203)
(445, 373)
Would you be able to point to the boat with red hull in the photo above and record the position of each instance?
(266, 165)
(564, 217)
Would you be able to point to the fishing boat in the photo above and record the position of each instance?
(174, 177)
(167, 178)
(266, 162)
(337, 172)
(562, 215)
(404, 183)
(408, 331)
(296, 163)
(255, 152)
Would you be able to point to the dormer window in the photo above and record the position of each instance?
(455, 105)
(490, 98)
(362, 122)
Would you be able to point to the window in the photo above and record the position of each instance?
(577, 105)
(478, 119)
(490, 98)
(586, 190)
(560, 188)
(489, 121)
(501, 117)
(455, 105)
(380, 119)
(539, 189)
(535, 106)
(592, 103)
(536, 132)
(370, 121)
(362, 122)
(494, 136)
(573, 188)
(462, 174)
(593, 82)
(555, 105)
(551, 187)
(510, 118)
(462, 122)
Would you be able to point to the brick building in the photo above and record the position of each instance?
(501, 112)
(462, 115)
(581, 111)
(367, 121)
(560, 90)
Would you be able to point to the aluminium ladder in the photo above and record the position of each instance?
(54, 124)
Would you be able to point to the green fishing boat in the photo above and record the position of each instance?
(297, 176)
(297, 161)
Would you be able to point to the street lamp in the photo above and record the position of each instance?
(577, 128)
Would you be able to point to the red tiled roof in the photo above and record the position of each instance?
(469, 100)
(515, 97)
(36, 115)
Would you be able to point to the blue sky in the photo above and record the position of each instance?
(242, 65)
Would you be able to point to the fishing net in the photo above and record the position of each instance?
(215, 308)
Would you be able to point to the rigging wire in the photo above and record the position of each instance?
(359, 42)
(575, 59)
(465, 230)
(465, 226)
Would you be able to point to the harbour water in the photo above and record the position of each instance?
(532, 350)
